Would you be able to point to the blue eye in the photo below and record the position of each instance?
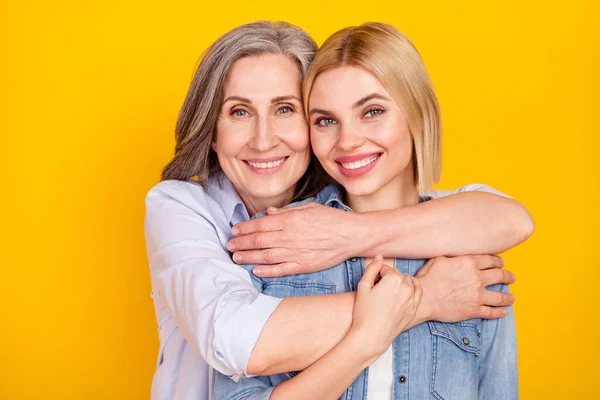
(325, 121)
(239, 113)
(285, 110)
(373, 112)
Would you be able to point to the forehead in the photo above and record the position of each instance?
(342, 86)
(268, 75)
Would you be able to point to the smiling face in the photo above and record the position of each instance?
(262, 139)
(360, 135)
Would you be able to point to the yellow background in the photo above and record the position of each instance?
(90, 95)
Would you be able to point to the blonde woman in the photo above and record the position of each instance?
(243, 135)
(375, 128)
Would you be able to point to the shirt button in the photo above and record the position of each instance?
(354, 259)
(466, 341)
(402, 379)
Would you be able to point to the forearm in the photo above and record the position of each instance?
(300, 331)
(329, 377)
(463, 223)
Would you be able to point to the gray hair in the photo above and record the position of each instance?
(197, 120)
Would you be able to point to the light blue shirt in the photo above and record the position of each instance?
(209, 313)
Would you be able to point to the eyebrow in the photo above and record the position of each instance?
(359, 103)
(284, 98)
(318, 111)
(273, 100)
(237, 98)
(372, 96)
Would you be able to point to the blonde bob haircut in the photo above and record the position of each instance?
(390, 56)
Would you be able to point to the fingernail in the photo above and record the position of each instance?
(379, 257)
(273, 209)
(230, 246)
(258, 271)
(237, 257)
(235, 230)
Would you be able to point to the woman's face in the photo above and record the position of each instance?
(262, 139)
(358, 132)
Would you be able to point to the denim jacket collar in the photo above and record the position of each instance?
(332, 196)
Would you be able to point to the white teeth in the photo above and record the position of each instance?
(270, 164)
(361, 163)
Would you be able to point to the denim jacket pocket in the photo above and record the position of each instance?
(455, 374)
(286, 288)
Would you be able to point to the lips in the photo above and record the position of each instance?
(357, 165)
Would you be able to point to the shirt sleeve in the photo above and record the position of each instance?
(472, 187)
(498, 363)
(213, 301)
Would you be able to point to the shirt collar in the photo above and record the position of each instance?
(222, 191)
(332, 195)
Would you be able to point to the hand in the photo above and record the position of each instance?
(454, 289)
(295, 240)
(383, 308)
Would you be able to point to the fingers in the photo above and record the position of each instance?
(491, 312)
(262, 224)
(274, 271)
(253, 241)
(497, 299)
(496, 275)
(488, 261)
(387, 270)
(266, 256)
(372, 273)
(425, 269)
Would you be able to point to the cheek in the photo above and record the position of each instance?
(296, 134)
(320, 145)
(229, 141)
(396, 138)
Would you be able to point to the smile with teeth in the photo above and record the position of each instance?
(270, 164)
(360, 163)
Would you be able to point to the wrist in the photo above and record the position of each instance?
(425, 311)
(363, 234)
(364, 348)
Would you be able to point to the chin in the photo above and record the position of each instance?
(358, 188)
(267, 191)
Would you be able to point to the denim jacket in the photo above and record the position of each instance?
(468, 360)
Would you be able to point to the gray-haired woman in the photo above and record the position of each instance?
(243, 146)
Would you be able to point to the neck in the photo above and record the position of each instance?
(399, 192)
(255, 205)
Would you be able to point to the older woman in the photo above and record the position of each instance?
(243, 135)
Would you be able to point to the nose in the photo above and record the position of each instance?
(265, 136)
(350, 138)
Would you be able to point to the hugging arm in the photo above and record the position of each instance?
(382, 310)
(211, 299)
(471, 220)
(327, 378)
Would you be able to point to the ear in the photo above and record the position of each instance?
(213, 143)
